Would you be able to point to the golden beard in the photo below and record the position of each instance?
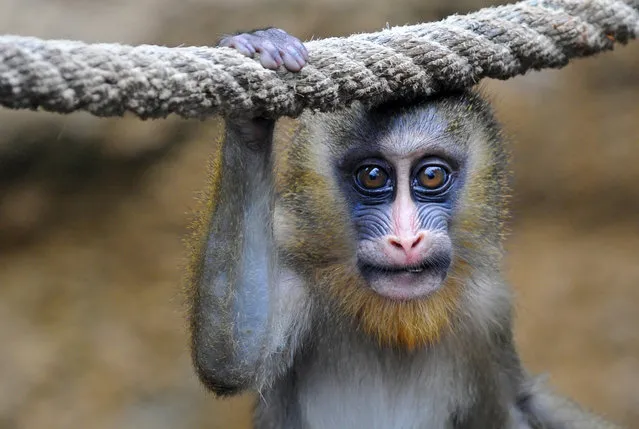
(406, 324)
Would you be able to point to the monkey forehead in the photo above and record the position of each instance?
(441, 126)
(422, 133)
(435, 127)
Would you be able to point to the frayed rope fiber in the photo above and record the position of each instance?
(196, 82)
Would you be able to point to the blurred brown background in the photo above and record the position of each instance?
(92, 212)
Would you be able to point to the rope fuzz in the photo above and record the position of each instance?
(196, 82)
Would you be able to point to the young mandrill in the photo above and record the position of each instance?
(352, 275)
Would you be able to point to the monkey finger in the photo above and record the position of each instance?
(293, 60)
(268, 61)
(284, 40)
(301, 49)
(239, 44)
(270, 56)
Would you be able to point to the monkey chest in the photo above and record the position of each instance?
(353, 403)
(359, 390)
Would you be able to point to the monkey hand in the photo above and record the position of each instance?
(275, 47)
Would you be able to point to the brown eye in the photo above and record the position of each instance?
(432, 177)
(371, 177)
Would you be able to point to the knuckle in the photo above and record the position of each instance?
(268, 45)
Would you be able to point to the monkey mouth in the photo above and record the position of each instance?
(376, 269)
(409, 281)
(439, 263)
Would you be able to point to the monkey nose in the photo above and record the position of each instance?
(407, 243)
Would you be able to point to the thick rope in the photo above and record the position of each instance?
(154, 81)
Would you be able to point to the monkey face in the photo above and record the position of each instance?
(389, 210)
(401, 199)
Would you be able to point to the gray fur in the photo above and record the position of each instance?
(344, 380)
(242, 324)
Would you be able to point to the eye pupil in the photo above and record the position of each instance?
(432, 177)
(372, 177)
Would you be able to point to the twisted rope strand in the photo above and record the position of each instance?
(195, 82)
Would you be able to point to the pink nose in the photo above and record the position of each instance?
(408, 244)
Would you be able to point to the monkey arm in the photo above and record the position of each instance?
(245, 307)
(562, 413)
(547, 410)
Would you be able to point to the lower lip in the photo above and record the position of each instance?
(405, 285)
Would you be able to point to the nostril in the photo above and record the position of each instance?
(405, 244)
(396, 243)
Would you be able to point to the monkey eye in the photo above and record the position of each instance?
(371, 177)
(433, 178)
